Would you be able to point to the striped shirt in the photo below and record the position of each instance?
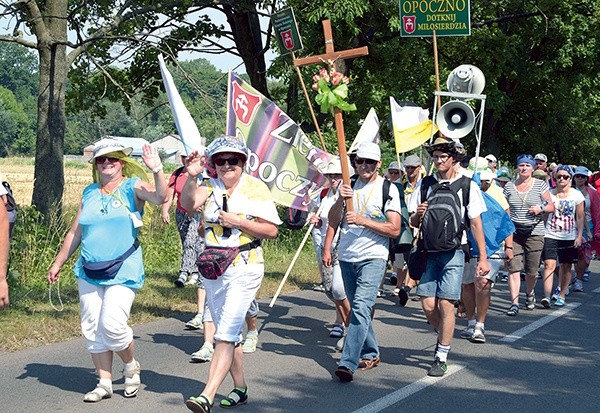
(520, 202)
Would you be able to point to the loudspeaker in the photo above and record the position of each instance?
(466, 79)
(455, 119)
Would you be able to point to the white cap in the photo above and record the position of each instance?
(369, 150)
(108, 145)
(487, 175)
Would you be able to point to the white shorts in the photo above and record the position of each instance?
(104, 315)
(496, 260)
(229, 298)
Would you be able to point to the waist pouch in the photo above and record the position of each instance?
(107, 270)
(214, 261)
(524, 230)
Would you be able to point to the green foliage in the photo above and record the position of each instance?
(18, 129)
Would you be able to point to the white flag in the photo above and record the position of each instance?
(369, 131)
(186, 127)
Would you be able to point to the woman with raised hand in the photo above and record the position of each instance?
(109, 269)
(528, 200)
(238, 213)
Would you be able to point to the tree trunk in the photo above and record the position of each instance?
(245, 27)
(49, 179)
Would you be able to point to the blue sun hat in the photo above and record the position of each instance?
(582, 170)
(227, 144)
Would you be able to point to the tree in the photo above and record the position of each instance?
(80, 40)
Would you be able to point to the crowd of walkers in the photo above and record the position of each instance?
(471, 219)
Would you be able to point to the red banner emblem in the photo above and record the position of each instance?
(409, 23)
(244, 104)
(288, 39)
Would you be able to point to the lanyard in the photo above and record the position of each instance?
(364, 207)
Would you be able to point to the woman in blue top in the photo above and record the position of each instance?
(109, 269)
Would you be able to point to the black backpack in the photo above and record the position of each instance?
(442, 227)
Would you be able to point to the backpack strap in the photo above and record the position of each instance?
(385, 193)
(426, 183)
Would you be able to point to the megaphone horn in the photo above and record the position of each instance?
(455, 119)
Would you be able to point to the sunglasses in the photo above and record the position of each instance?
(580, 176)
(234, 161)
(367, 161)
(565, 177)
(393, 172)
(102, 159)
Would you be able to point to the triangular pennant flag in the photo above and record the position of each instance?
(186, 127)
(369, 131)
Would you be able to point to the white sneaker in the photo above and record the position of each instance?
(340, 344)
(578, 286)
(467, 332)
(205, 353)
(250, 343)
(195, 323)
(193, 280)
(180, 281)
(478, 335)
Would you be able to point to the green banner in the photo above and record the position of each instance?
(286, 31)
(419, 18)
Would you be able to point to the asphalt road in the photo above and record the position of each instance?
(539, 361)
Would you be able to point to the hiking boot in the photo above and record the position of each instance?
(180, 281)
(530, 302)
(578, 286)
(438, 368)
(478, 335)
(250, 343)
(467, 332)
(205, 354)
(195, 323)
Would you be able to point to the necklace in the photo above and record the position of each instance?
(105, 199)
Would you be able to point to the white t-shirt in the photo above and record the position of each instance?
(319, 233)
(475, 207)
(358, 243)
(561, 223)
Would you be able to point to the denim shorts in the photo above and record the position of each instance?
(443, 275)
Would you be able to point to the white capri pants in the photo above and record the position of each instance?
(104, 315)
(229, 297)
(252, 311)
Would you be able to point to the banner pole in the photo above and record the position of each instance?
(289, 270)
(312, 112)
(437, 70)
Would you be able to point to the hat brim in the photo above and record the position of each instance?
(106, 151)
(228, 150)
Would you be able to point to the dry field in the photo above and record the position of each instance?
(19, 174)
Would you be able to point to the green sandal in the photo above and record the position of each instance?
(235, 398)
(199, 404)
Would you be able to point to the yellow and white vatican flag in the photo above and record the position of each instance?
(411, 126)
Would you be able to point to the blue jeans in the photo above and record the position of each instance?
(361, 281)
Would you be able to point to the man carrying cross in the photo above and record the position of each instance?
(363, 252)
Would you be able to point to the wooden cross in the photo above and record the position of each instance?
(335, 56)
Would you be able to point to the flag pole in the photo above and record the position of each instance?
(310, 107)
(289, 270)
(228, 105)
